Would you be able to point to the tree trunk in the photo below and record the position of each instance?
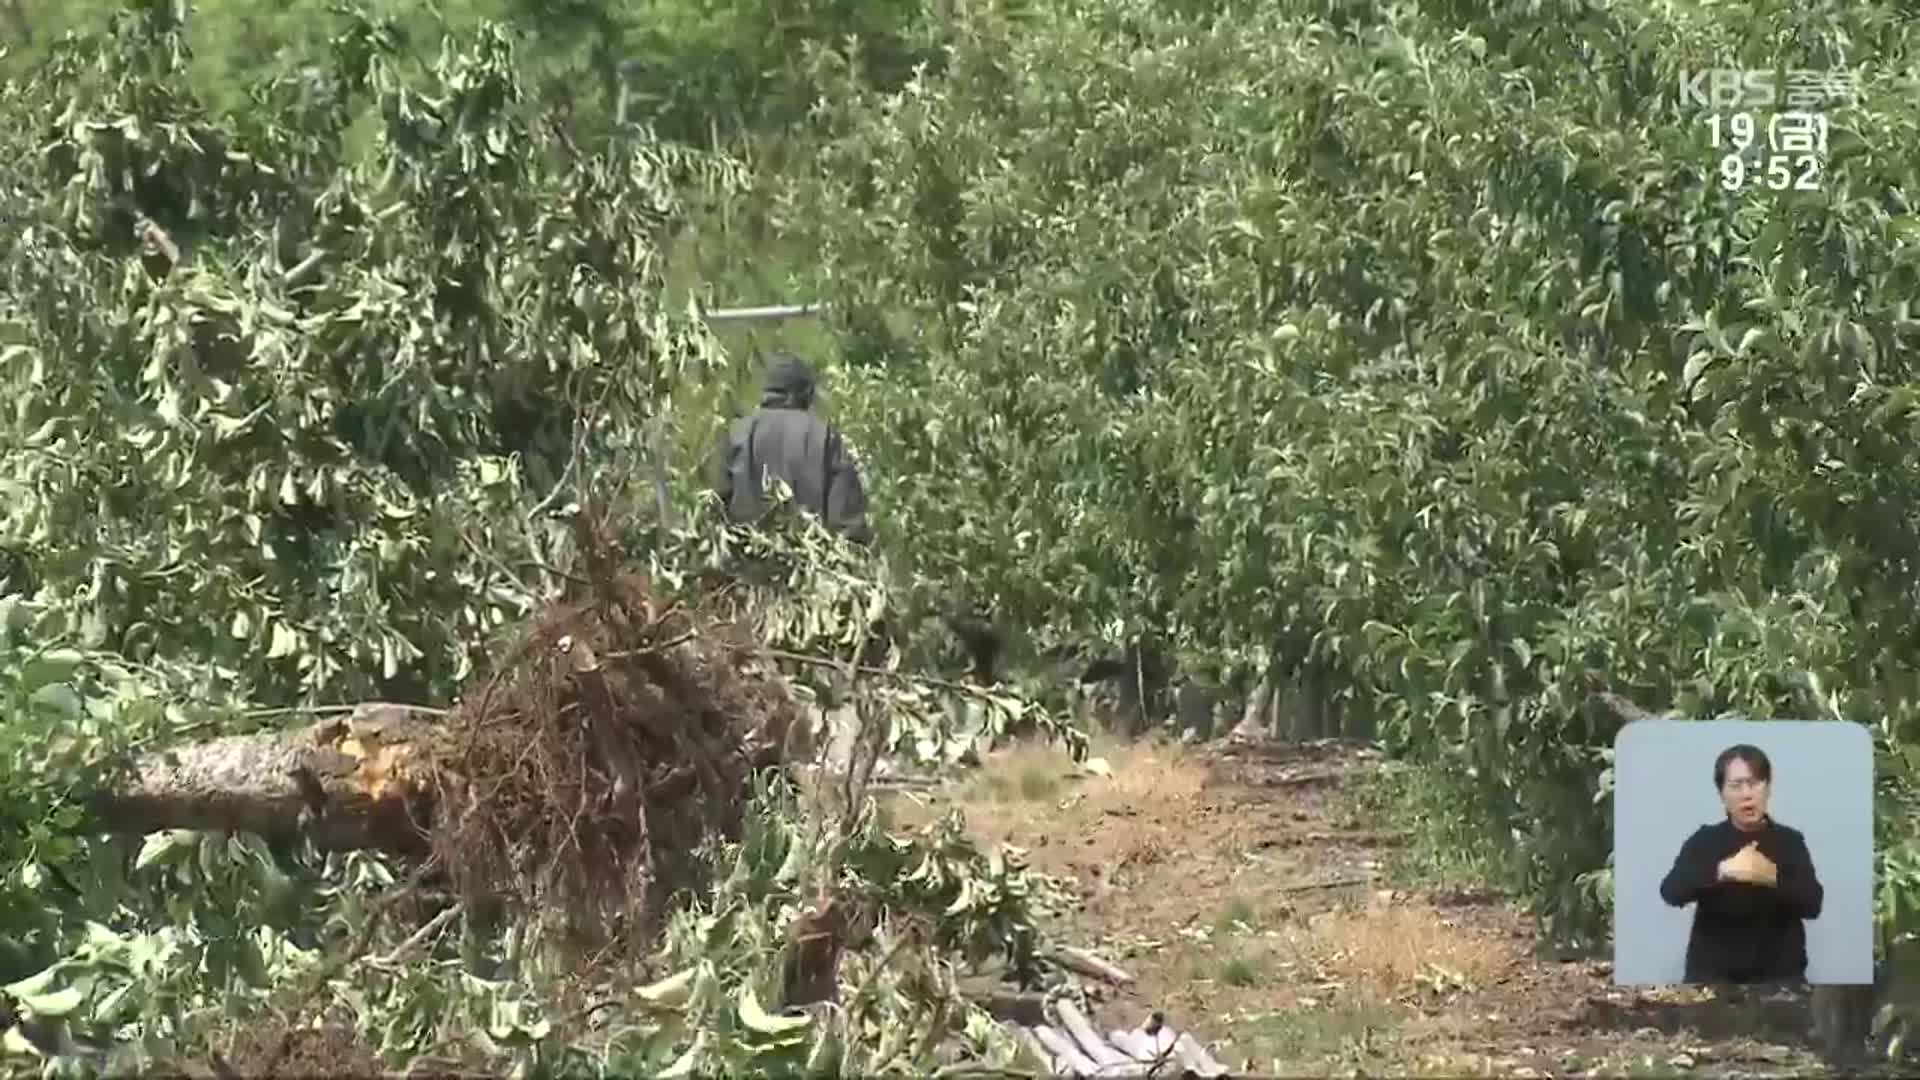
(344, 783)
(1317, 715)
(1131, 712)
(1195, 704)
(1358, 718)
(1257, 718)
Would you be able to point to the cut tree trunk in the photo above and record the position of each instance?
(346, 784)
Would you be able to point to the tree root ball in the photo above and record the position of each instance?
(586, 776)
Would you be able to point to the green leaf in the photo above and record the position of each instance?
(50, 666)
(59, 699)
(37, 983)
(963, 900)
(227, 427)
(53, 1005)
(161, 845)
(1770, 238)
(107, 1009)
(43, 434)
(758, 1019)
(1696, 366)
(284, 642)
(16, 1043)
(685, 1065)
(671, 992)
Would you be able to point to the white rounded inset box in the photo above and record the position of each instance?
(1727, 834)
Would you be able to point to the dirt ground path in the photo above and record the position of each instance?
(1257, 906)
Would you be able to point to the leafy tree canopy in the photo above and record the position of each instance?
(1423, 338)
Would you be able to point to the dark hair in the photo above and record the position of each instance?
(1755, 758)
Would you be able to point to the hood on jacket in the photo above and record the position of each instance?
(789, 383)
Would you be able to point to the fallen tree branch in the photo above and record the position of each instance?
(1011, 1006)
(1621, 708)
(867, 669)
(1085, 963)
(336, 710)
(1196, 1058)
(1091, 1044)
(1316, 836)
(905, 783)
(506, 569)
(657, 647)
(419, 937)
(1336, 883)
(1061, 1049)
(1030, 1037)
(303, 272)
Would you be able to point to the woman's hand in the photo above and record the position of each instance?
(1749, 866)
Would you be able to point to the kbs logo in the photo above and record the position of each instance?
(1756, 88)
(1728, 88)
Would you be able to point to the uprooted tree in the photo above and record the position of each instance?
(621, 736)
(622, 770)
(296, 425)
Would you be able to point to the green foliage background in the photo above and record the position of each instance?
(1422, 339)
(1419, 341)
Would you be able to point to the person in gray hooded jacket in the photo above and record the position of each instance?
(784, 438)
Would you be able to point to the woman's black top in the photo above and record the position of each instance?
(1745, 933)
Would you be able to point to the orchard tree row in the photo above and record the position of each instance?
(1421, 342)
(695, 71)
(1418, 343)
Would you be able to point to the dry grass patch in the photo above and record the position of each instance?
(1217, 979)
(1317, 1039)
(1404, 948)
(1032, 794)
(1133, 775)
